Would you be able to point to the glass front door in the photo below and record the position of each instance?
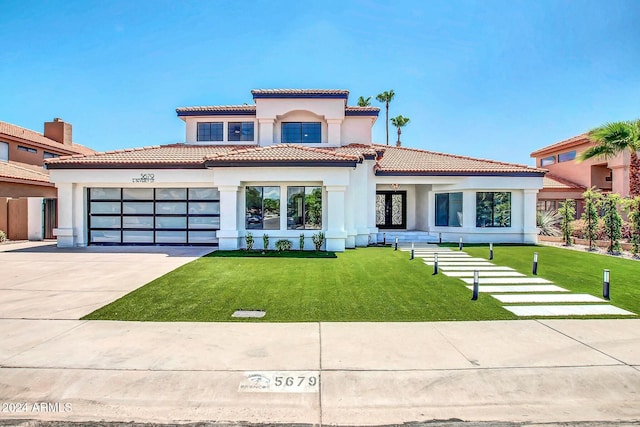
(391, 209)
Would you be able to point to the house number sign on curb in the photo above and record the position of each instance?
(280, 382)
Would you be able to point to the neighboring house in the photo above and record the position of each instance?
(568, 178)
(295, 162)
(22, 154)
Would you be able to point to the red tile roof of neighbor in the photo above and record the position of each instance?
(38, 138)
(22, 172)
(300, 92)
(563, 145)
(555, 182)
(390, 160)
(231, 109)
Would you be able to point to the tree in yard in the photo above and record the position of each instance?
(612, 221)
(632, 206)
(399, 122)
(364, 102)
(590, 215)
(614, 138)
(567, 213)
(386, 97)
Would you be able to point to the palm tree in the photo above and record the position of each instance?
(614, 138)
(386, 97)
(399, 122)
(364, 102)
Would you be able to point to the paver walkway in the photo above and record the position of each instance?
(502, 281)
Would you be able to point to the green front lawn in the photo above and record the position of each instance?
(368, 284)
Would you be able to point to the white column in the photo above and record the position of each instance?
(228, 235)
(336, 235)
(333, 131)
(265, 133)
(64, 232)
(529, 230)
(359, 205)
(35, 218)
(371, 200)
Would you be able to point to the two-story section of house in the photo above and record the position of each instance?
(568, 178)
(294, 163)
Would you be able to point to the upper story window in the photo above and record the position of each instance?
(568, 156)
(48, 155)
(548, 161)
(4, 151)
(240, 131)
(27, 149)
(212, 131)
(301, 132)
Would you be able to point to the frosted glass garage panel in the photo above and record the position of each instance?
(137, 222)
(202, 237)
(171, 222)
(105, 236)
(204, 222)
(171, 237)
(171, 194)
(136, 236)
(204, 194)
(105, 207)
(137, 208)
(105, 222)
(105, 193)
(137, 193)
(204, 208)
(171, 208)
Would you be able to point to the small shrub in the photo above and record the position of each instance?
(590, 215)
(265, 241)
(632, 206)
(547, 222)
(567, 212)
(318, 240)
(3, 236)
(302, 241)
(283, 245)
(612, 222)
(248, 240)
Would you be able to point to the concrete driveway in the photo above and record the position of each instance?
(53, 367)
(40, 281)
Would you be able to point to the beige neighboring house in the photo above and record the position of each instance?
(568, 178)
(27, 197)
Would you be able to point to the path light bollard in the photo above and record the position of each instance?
(396, 244)
(534, 270)
(490, 251)
(384, 238)
(476, 285)
(435, 263)
(605, 284)
(412, 250)
(460, 245)
(440, 237)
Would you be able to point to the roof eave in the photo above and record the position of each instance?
(215, 113)
(461, 173)
(279, 163)
(124, 165)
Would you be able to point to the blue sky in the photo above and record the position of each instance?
(491, 79)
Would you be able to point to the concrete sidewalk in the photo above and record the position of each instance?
(369, 373)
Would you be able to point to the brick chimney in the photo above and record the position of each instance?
(58, 130)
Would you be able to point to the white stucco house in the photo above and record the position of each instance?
(295, 162)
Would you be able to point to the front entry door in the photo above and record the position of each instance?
(391, 209)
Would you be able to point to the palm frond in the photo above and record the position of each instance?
(611, 139)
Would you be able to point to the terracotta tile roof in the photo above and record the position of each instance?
(403, 160)
(23, 172)
(218, 109)
(38, 138)
(284, 153)
(555, 182)
(356, 108)
(563, 145)
(182, 154)
(289, 92)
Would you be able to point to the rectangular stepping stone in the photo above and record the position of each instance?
(459, 264)
(515, 299)
(567, 310)
(489, 267)
(483, 273)
(520, 288)
(507, 280)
